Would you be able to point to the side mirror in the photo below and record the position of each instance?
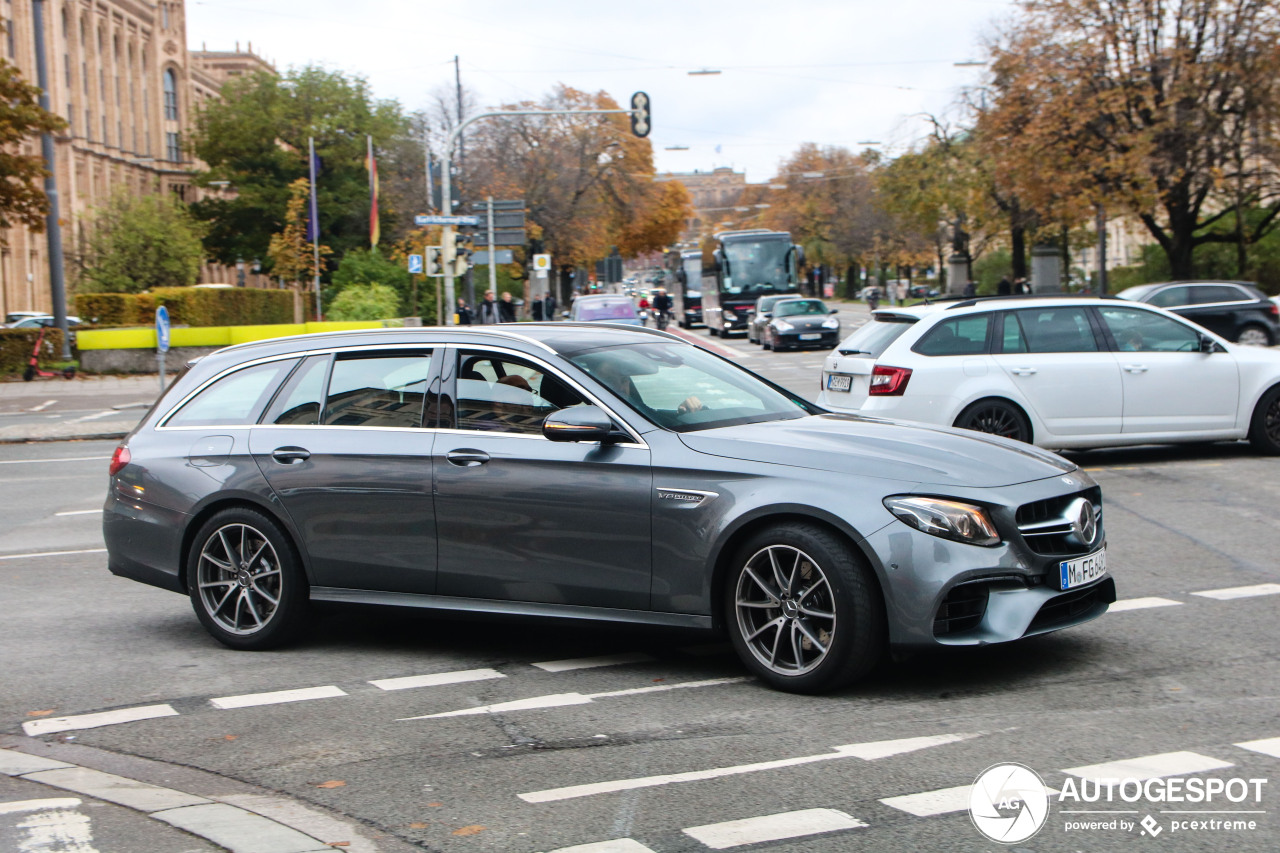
(578, 423)
(834, 311)
(1208, 344)
(767, 315)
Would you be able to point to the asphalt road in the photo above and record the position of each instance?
(656, 741)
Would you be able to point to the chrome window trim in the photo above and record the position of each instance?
(527, 435)
(416, 430)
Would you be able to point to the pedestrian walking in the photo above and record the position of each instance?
(549, 306)
(970, 289)
(506, 309)
(464, 312)
(488, 310)
(536, 310)
(1005, 287)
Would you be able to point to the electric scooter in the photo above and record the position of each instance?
(33, 366)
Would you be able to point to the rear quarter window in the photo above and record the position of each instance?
(234, 400)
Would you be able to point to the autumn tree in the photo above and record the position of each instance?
(292, 254)
(1166, 111)
(22, 199)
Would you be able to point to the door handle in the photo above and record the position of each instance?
(290, 455)
(1136, 368)
(1022, 371)
(467, 458)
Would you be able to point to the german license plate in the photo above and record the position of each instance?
(839, 382)
(816, 337)
(1082, 570)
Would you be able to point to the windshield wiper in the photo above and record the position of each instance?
(854, 352)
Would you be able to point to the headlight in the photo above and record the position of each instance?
(831, 323)
(948, 519)
(782, 325)
(729, 315)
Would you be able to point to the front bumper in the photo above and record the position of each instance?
(792, 339)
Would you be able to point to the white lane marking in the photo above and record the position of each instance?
(79, 512)
(438, 679)
(93, 721)
(865, 751)
(592, 663)
(1270, 746)
(49, 461)
(1240, 591)
(617, 845)
(1151, 766)
(563, 700)
(52, 830)
(40, 408)
(115, 789)
(774, 827)
(1140, 604)
(95, 416)
(929, 803)
(39, 805)
(52, 554)
(276, 697)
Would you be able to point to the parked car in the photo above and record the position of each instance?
(922, 291)
(46, 320)
(761, 314)
(1057, 371)
(15, 316)
(605, 309)
(1235, 310)
(800, 323)
(590, 472)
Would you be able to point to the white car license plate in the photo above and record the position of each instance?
(816, 337)
(1083, 570)
(839, 382)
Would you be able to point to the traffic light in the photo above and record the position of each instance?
(448, 247)
(434, 265)
(640, 124)
(462, 254)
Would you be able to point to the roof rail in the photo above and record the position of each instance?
(966, 301)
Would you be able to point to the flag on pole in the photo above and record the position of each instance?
(313, 208)
(374, 230)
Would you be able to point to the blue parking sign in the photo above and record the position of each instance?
(162, 329)
(415, 263)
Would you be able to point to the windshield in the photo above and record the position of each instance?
(693, 270)
(684, 388)
(799, 306)
(613, 309)
(757, 266)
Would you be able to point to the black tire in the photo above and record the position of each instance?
(245, 581)
(765, 344)
(996, 417)
(1264, 426)
(824, 592)
(28, 374)
(1253, 334)
(711, 331)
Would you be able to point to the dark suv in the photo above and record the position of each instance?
(1236, 310)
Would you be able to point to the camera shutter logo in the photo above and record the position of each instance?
(1008, 803)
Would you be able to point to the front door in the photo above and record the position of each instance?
(525, 518)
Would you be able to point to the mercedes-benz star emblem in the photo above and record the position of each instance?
(1084, 521)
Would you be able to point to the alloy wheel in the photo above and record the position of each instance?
(239, 578)
(785, 610)
(996, 420)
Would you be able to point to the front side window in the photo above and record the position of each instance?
(235, 399)
(1135, 330)
(503, 394)
(1047, 330)
(958, 336)
(377, 390)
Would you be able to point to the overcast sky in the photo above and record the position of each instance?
(834, 72)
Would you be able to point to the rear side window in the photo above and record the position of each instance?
(1205, 294)
(298, 403)
(873, 338)
(235, 399)
(378, 390)
(958, 336)
(1044, 330)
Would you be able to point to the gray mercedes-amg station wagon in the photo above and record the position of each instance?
(591, 472)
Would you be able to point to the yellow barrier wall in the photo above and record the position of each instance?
(208, 336)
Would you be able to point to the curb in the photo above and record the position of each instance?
(45, 439)
(233, 815)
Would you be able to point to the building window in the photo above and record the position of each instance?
(8, 25)
(105, 138)
(170, 95)
(88, 124)
(164, 16)
(173, 147)
(84, 72)
(66, 66)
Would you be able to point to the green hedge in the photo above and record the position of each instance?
(16, 346)
(189, 306)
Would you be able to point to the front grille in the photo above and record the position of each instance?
(1046, 529)
(1069, 607)
(961, 610)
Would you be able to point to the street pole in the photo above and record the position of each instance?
(315, 226)
(53, 227)
(493, 267)
(446, 181)
(1102, 250)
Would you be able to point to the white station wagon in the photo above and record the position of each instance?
(1057, 371)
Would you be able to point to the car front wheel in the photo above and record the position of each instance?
(803, 610)
(245, 582)
(1264, 427)
(997, 418)
(1254, 335)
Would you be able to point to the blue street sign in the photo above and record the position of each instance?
(415, 263)
(423, 219)
(162, 329)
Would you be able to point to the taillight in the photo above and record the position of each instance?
(119, 459)
(889, 381)
(1275, 309)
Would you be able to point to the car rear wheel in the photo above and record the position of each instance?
(803, 610)
(997, 418)
(245, 582)
(1264, 427)
(1254, 335)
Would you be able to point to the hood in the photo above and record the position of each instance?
(914, 453)
(806, 321)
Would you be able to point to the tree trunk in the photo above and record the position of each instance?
(852, 279)
(1018, 243)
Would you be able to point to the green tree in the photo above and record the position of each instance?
(136, 243)
(368, 266)
(256, 137)
(22, 198)
(364, 302)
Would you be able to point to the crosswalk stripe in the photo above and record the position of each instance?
(39, 805)
(277, 697)
(1240, 591)
(617, 845)
(438, 679)
(1270, 746)
(1140, 604)
(94, 721)
(592, 663)
(930, 803)
(775, 827)
(1150, 766)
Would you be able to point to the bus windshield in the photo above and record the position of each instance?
(758, 267)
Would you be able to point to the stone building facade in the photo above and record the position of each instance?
(121, 75)
(715, 195)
